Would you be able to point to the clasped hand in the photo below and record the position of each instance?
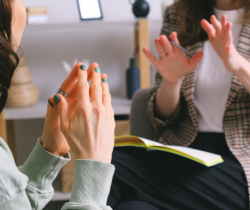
(85, 126)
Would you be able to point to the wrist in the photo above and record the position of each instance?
(103, 160)
(51, 150)
(172, 85)
(242, 68)
(243, 73)
(167, 99)
(237, 64)
(85, 156)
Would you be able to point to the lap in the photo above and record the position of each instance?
(135, 205)
(168, 181)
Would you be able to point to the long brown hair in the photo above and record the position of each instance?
(8, 58)
(191, 12)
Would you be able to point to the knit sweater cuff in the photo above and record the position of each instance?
(92, 182)
(42, 167)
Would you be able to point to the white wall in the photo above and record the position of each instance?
(111, 47)
(112, 9)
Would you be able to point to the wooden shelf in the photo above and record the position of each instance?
(38, 111)
(87, 25)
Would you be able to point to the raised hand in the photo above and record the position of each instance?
(52, 138)
(221, 38)
(173, 64)
(88, 125)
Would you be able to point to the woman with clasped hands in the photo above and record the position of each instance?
(87, 125)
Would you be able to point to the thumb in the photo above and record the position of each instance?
(195, 59)
(62, 110)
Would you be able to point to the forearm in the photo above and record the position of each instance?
(167, 98)
(243, 73)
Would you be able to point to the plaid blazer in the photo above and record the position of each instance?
(182, 127)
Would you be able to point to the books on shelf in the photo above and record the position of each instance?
(206, 158)
(37, 15)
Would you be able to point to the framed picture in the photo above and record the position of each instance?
(90, 9)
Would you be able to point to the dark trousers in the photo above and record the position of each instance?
(156, 180)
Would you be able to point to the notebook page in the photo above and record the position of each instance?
(150, 142)
(202, 155)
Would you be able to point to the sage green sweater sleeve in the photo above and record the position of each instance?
(30, 187)
(91, 186)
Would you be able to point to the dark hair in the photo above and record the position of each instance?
(191, 12)
(8, 58)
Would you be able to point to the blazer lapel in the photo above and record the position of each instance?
(244, 50)
(188, 85)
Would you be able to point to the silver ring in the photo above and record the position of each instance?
(62, 93)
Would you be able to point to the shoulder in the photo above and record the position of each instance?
(170, 22)
(5, 147)
(170, 13)
(12, 180)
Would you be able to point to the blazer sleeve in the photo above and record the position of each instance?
(169, 25)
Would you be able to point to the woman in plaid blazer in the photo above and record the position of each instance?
(162, 181)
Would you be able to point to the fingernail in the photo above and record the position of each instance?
(98, 70)
(57, 99)
(105, 80)
(50, 103)
(82, 67)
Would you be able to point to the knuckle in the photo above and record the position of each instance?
(98, 110)
(84, 84)
(96, 87)
(84, 110)
(106, 94)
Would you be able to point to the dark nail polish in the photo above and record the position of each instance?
(50, 103)
(98, 70)
(105, 80)
(82, 67)
(57, 99)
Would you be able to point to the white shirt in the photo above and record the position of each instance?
(213, 80)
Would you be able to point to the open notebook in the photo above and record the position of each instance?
(205, 158)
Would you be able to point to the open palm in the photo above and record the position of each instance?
(173, 63)
(221, 38)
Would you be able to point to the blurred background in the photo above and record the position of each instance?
(110, 42)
